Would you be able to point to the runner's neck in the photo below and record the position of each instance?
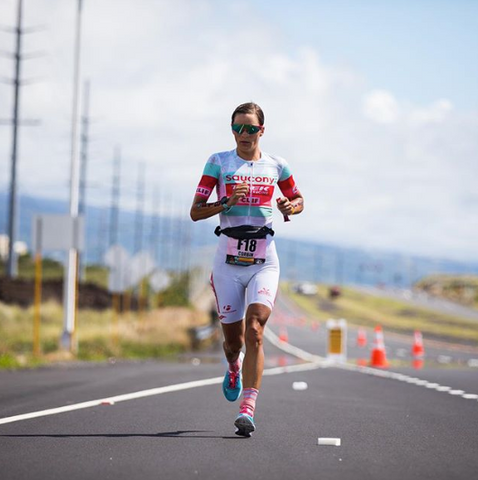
(253, 157)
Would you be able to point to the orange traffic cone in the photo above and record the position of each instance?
(378, 357)
(417, 348)
(283, 336)
(361, 337)
(418, 351)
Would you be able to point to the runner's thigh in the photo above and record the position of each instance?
(262, 287)
(230, 293)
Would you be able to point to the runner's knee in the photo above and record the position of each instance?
(254, 333)
(234, 345)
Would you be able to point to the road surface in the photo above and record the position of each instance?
(170, 421)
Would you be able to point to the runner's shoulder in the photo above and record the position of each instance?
(220, 157)
(279, 161)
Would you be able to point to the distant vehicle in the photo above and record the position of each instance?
(334, 292)
(306, 288)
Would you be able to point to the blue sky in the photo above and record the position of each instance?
(373, 103)
(419, 49)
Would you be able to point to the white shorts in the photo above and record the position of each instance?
(236, 287)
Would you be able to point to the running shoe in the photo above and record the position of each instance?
(232, 384)
(244, 425)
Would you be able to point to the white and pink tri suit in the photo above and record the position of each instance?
(251, 274)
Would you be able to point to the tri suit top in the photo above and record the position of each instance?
(258, 281)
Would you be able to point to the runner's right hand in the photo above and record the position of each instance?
(240, 191)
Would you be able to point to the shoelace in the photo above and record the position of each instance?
(233, 376)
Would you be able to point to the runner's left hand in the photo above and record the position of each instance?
(284, 205)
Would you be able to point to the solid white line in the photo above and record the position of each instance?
(153, 391)
(315, 363)
(115, 399)
(291, 349)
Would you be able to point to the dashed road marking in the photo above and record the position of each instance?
(272, 337)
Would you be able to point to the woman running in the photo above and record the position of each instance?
(245, 274)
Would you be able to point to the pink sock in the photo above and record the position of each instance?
(235, 366)
(248, 403)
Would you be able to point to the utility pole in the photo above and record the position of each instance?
(85, 121)
(115, 197)
(155, 226)
(12, 265)
(71, 270)
(139, 219)
(317, 276)
(101, 235)
(84, 140)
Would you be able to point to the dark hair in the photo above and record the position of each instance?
(249, 107)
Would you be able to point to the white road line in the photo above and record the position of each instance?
(151, 392)
(456, 392)
(315, 362)
(274, 339)
(441, 388)
(115, 399)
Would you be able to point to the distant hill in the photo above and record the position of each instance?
(175, 243)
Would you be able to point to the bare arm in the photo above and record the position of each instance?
(200, 210)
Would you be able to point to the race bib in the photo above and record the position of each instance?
(246, 252)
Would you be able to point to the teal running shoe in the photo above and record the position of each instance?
(244, 425)
(232, 384)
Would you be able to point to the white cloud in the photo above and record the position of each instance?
(376, 171)
(381, 106)
(437, 112)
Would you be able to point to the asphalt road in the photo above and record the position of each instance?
(391, 427)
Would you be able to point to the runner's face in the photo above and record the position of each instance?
(246, 143)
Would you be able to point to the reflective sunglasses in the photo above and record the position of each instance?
(250, 129)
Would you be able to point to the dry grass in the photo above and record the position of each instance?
(100, 335)
(367, 310)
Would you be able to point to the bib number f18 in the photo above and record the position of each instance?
(245, 252)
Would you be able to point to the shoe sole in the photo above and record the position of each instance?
(244, 427)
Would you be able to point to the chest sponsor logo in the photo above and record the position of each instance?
(257, 179)
(249, 201)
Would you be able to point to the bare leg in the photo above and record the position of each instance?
(256, 317)
(233, 339)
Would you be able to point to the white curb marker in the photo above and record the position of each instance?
(329, 441)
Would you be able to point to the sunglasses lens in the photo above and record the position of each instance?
(238, 127)
(241, 127)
